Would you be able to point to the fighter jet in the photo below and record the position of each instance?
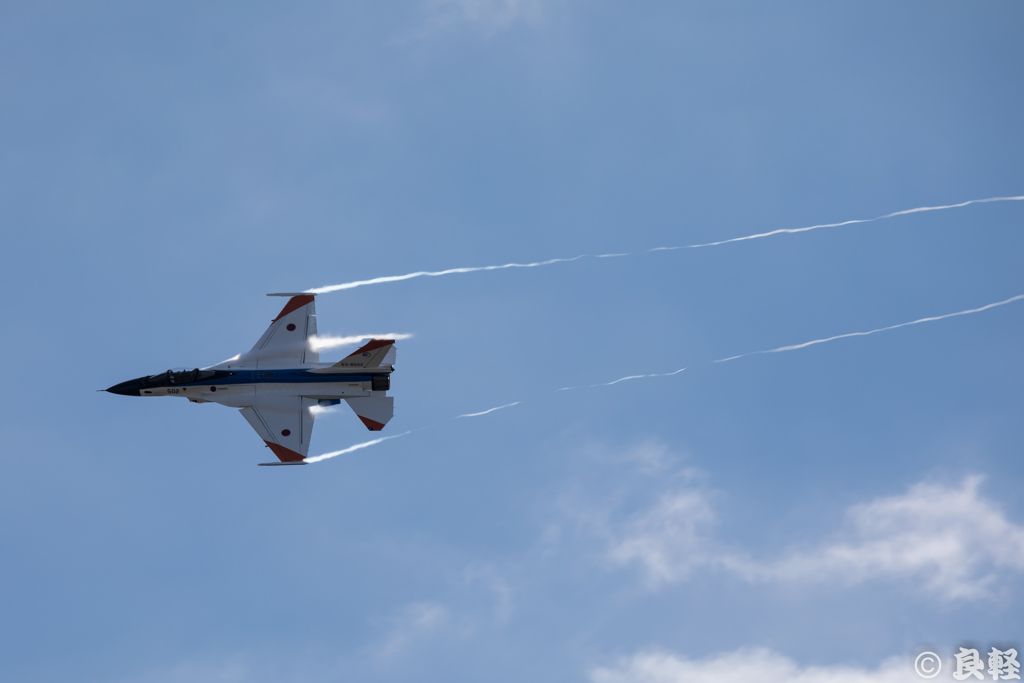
(278, 383)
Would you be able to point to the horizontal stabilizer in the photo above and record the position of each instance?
(374, 411)
(372, 355)
(279, 464)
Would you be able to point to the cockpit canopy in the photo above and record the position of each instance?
(180, 376)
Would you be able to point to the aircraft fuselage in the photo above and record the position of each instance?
(279, 383)
(236, 388)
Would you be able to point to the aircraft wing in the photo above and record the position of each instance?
(285, 423)
(286, 343)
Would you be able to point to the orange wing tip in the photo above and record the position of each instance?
(286, 454)
(372, 345)
(372, 425)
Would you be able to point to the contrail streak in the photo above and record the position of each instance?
(329, 342)
(424, 273)
(905, 212)
(452, 271)
(794, 347)
(624, 379)
(508, 405)
(365, 444)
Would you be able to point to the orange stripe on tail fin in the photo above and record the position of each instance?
(294, 304)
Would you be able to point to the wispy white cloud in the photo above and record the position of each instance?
(804, 345)
(953, 542)
(358, 446)
(670, 539)
(500, 588)
(331, 342)
(480, 7)
(222, 670)
(950, 541)
(491, 410)
(416, 622)
(488, 16)
(653, 457)
(744, 666)
(304, 91)
(432, 623)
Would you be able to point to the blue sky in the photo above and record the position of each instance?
(825, 512)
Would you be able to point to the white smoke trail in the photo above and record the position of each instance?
(804, 345)
(318, 410)
(343, 451)
(452, 271)
(331, 342)
(794, 347)
(424, 273)
(508, 405)
(624, 379)
(905, 212)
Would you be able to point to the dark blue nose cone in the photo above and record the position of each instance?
(130, 388)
